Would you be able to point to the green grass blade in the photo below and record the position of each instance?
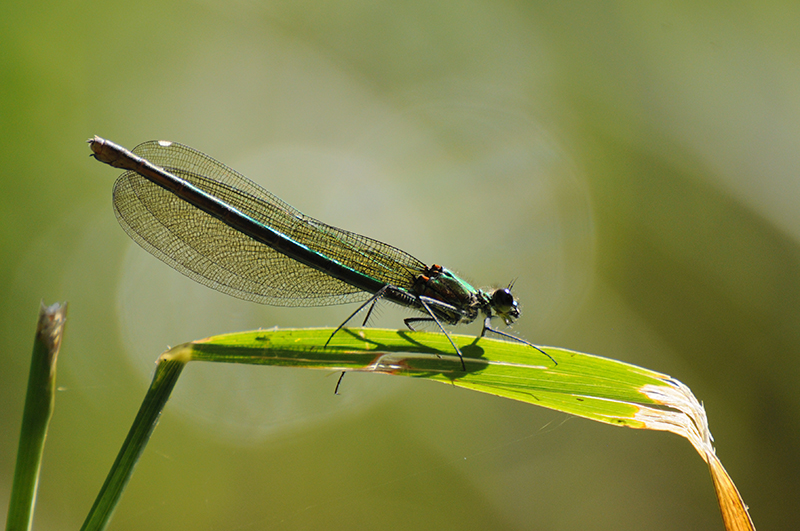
(164, 380)
(588, 386)
(39, 403)
(584, 385)
(581, 384)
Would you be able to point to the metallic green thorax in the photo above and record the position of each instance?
(459, 301)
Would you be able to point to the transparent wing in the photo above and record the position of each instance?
(212, 253)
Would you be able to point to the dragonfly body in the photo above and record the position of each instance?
(217, 227)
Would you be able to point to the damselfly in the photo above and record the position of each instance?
(219, 228)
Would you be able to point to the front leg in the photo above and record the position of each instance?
(487, 328)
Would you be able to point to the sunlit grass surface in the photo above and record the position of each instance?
(579, 384)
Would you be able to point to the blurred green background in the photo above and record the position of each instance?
(632, 165)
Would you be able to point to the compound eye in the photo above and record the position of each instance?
(503, 300)
(504, 305)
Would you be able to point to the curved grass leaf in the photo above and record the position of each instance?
(580, 384)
